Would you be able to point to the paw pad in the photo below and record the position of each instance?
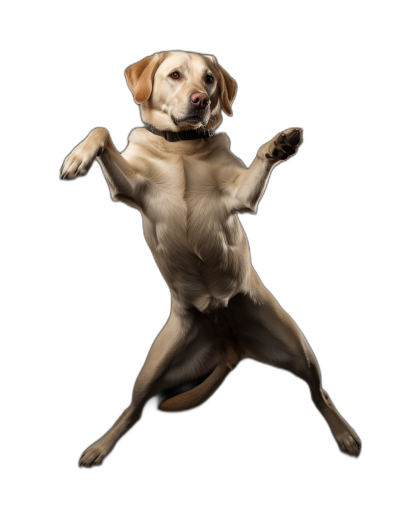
(285, 144)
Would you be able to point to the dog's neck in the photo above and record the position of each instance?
(162, 122)
(173, 136)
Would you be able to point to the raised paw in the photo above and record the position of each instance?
(82, 157)
(284, 145)
(78, 162)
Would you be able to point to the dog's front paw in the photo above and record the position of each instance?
(284, 145)
(79, 161)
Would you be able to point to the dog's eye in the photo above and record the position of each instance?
(209, 79)
(175, 75)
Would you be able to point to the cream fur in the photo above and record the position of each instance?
(189, 194)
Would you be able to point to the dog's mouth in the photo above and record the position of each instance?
(193, 119)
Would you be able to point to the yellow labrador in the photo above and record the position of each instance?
(190, 187)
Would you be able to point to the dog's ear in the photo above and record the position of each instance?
(227, 87)
(140, 76)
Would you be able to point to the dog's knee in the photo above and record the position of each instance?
(320, 397)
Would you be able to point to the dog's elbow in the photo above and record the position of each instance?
(244, 205)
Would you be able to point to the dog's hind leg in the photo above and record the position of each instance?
(271, 336)
(179, 334)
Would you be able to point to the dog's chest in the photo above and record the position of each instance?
(211, 227)
(192, 204)
(197, 240)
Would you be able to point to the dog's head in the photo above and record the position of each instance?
(180, 90)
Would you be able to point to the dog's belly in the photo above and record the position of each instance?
(204, 264)
(224, 266)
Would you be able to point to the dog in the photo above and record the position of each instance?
(190, 188)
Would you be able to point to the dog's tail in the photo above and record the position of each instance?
(197, 395)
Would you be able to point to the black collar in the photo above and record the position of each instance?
(171, 136)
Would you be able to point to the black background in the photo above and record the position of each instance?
(260, 434)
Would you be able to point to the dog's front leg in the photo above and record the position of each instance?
(122, 178)
(250, 185)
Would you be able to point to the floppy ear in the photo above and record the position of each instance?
(227, 87)
(140, 76)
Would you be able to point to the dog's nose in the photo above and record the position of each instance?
(199, 99)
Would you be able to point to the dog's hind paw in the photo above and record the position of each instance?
(349, 443)
(94, 455)
(284, 145)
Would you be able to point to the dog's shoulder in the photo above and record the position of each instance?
(222, 156)
(138, 141)
(177, 163)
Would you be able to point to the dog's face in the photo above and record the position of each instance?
(180, 90)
